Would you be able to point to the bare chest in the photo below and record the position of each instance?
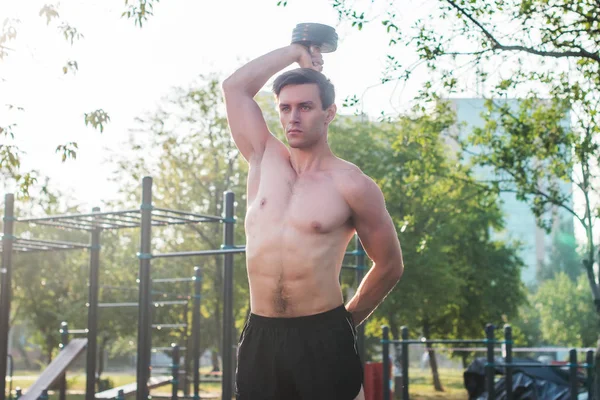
(309, 203)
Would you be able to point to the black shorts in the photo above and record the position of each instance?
(303, 358)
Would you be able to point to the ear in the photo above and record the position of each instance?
(331, 111)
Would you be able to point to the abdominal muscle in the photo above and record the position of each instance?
(292, 273)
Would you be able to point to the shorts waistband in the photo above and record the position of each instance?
(334, 314)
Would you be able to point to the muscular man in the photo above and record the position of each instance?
(304, 206)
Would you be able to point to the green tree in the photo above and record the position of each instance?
(527, 331)
(546, 54)
(563, 255)
(457, 278)
(49, 287)
(550, 62)
(185, 145)
(567, 316)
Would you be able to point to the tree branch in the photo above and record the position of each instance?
(481, 183)
(499, 46)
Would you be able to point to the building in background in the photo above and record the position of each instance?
(538, 247)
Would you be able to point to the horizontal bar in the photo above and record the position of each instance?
(155, 349)
(167, 326)
(74, 216)
(355, 253)
(106, 222)
(135, 288)
(65, 225)
(30, 247)
(211, 217)
(113, 225)
(440, 341)
(188, 222)
(168, 217)
(163, 222)
(200, 253)
(169, 303)
(123, 219)
(77, 331)
(27, 249)
(37, 245)
(354, 267)
(109, 305)
(167, 280)
(54, 242)
(170, 294)
(132, 304)
(535, 365)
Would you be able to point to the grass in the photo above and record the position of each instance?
(421, 386)
(76, 384)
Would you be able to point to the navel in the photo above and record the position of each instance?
(263, 201)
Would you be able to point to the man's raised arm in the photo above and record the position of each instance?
(246, 121)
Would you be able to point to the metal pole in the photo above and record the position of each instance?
(405, 346)
(573, 373)
(196, 330)
(489, 367)
(5, 287)
(175, 372)
(227, 351)
(11, 371)
(589, 360)
(144, 320)
(184, 339)
(508, 359)
(92, 323)
(64, 340)
(386, 363)
(360, 273)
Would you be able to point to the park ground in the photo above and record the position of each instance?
(421, 387)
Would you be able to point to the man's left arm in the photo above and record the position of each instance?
(377, 233)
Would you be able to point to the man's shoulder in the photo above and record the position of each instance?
(351, 181)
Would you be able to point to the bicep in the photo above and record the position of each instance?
(247, 124)
(375, 227)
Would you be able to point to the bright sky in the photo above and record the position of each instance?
(126, 70)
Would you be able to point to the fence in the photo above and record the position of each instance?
(489, 342)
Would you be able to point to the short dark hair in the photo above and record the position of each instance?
(302, 76)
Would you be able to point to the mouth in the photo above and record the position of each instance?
(294, 131)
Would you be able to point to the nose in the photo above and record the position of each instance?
(295, 115)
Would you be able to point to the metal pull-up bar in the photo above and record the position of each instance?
(144, 217)
(233, 250)
(145, 283)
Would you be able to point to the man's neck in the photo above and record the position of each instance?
(310, 159)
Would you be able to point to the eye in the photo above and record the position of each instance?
(284, 109)
(305, 108)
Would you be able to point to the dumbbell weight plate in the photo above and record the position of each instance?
(313, 34)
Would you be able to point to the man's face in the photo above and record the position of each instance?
(302, 116)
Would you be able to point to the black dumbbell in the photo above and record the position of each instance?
(313, 34)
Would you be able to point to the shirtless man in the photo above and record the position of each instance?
(304, 206)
